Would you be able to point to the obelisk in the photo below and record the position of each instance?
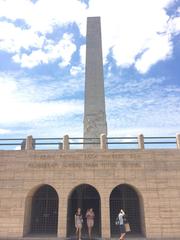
(94, 106)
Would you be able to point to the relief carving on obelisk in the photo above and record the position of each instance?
(93, 124)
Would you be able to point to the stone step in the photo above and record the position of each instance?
(57, 238)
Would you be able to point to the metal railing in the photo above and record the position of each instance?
(66, 143)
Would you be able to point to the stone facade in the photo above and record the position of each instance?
(153, 174)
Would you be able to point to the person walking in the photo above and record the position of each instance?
(90, 221)
(78, 223)
(122, 225)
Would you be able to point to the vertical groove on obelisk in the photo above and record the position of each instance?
(94, 106)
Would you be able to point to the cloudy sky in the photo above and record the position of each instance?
(42, 57)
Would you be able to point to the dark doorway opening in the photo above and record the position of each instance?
(84, 196)
(44, 215)
(125, 197)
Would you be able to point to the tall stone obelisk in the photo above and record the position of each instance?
(94, 106)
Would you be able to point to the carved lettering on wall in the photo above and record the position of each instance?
(83, 160)
(71, 164)
(79, 156)
(43, 165)
(90, 156)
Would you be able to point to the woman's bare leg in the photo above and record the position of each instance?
(76, 232)
(122, 236)
(79, 233)
(89, 232)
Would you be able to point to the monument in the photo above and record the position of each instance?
(41, 189)
(94, 105)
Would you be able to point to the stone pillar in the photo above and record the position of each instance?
(30, 144)
(66, 142)
(105, 216)
(94, 106)
(62, 215)
(103, 142)
(178, 140)
(141, 141)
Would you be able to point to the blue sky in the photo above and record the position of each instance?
(42, 57)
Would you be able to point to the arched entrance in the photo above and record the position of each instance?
(44, 211)
(125, 197)
(84, 196)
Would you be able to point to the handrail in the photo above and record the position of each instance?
(112, 142)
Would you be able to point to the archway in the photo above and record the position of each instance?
(125, 197)
(44, 211)
(84, 196)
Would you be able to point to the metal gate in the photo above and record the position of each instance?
(44, 217)
(124, 197)
(84, 196)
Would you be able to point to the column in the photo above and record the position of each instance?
(94, 106)
(62, 215)
(105, 216)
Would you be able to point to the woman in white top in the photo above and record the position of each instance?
(78, 223)
(121, 224)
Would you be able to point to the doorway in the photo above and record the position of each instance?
(44, 213)
(84, 196)
(125, 197)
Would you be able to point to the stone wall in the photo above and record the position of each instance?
(154, 174)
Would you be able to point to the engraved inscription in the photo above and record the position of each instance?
(90, 156)
(72, 164)
(43, 165)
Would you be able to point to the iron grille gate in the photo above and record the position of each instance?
(44, 217)
(84, 196)
(124, 197)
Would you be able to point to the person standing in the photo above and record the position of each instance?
(121, 224)
(78, 223)
(90, 221)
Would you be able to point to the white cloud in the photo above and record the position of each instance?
(30, 111)
(174, 25)
(148, 107)
(131, 29)
(22, 88)
(14, 38)
(49, 13)
(39, 19)
(43, 15)
(160, 49)
(75, 70)
(152, 108)
(20, 102)
(63, 50)
(5, 131)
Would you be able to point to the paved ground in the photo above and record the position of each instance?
(56, 238)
